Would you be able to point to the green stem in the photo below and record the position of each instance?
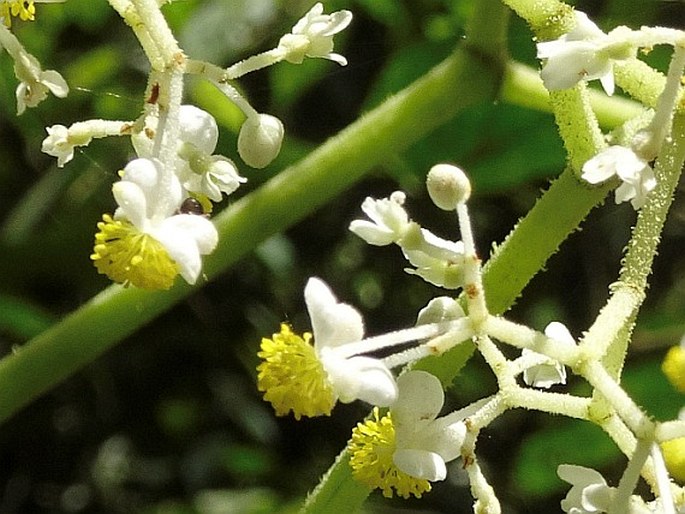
(523, 86)
(578, 125)
(338, 491)
(549, 19)
(536, 237)
(295, 193)
(617, 317)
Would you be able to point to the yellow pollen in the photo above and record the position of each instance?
(371, 450)
(131, 257)
(291, 376)
(673, 367)
(22, 8)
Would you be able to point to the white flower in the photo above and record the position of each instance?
(312, 36)
(334, 325)
(437, 261)
(423, 444)
(589, 492)
(58, 145)
(259, 140)
(549, 371)
(198, 170)
(585, 53)
(637, 175)
(36, 83)
(151, 209)
(389, 220)
(211, 176)
(196, 127)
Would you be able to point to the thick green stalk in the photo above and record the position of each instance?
(298, 191)
(536, 237)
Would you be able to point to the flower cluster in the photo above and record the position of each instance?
(402, 450)
(161, 226)
(586, 53)
(406, 444)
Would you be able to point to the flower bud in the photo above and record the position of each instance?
(447, 186)
(260, 140)
(440, 309)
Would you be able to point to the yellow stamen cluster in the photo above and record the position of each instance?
(674, 455)
(674, 367)
(131, 257)
(371, 449)
(291, 376)
(22, 8)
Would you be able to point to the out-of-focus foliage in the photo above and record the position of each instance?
(170, 420)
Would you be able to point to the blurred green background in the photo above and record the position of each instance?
(170, 421)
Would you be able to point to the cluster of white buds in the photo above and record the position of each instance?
(586, 53)
(161, 227)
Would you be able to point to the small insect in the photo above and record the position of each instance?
(154, 94)
(192, 206)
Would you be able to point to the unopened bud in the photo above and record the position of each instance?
(447, 186)
(440, 309)
(260, 140)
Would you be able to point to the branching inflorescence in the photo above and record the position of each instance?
(405, 443)
(161, 228)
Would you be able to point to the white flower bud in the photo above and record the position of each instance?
(260, 140)
(447, 186)
(440, 309)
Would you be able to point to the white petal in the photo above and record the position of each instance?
(142, 172)
(197, 228)
(198, 128)
(337, 58)
(181, 248)
(360, 378)
(601, 167)
(439, 248)
(420, 464)
(585, 28)
(420, 398)
(579, 475)
(446, 441)
(597, 498)
(333, 323)
(607, 81)
(570, 65)
(371, 233)
(132, 203)
(559, 332)
(55, 83)
(544, 375)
